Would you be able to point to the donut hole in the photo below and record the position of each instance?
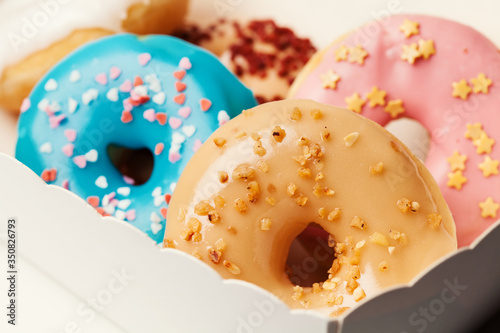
(135, 164)
(413, 134)
(309, 257)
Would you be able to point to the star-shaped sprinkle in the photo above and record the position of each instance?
(329, 79)
(457, 161)
(489, 208)
(484, 144)
(395, 107)
(489, 167)
(355, 102)
(409, 28)
(461, 89)
(357, 54)
(341, 53)
(426, 48)
(474, 131)
(481, 83)
(376, 97)
(410, 53)
(456, 179)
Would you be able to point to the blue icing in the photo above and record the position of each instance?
(70, 97)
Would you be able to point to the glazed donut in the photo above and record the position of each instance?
(265, 57)
(275, 169)
(155, 93)
(37, 34)
(440, 73)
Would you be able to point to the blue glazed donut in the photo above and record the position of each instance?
(154, 92)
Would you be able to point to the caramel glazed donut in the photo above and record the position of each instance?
(273, 170)
(37, 34)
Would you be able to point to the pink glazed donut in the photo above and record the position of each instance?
(442, 74)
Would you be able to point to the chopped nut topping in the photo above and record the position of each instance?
(302, 141)
(214, 217)
(243, 172)
(305, 304)
(279, 134)
(263, 166)
(404, 205)
(240, 205)
(360, 244)
(316, 288)
(335, 267)
(358, 294)
(271, 201)
(300, 159)
(383, 266)
(339, 300)
(291, 188)
(331, 240)
(194, 225)
(315, 150)
(354, 273)
(434, 220)
(318, 164)
(271, 188)
(197, 237)
(258, 149)
(394, 234)
(298, 292)
(182, 215)
(196, 253)
(391, 249)
(202, 208)
(255, 136)
(219, 201)
(415, 206)
(186, 234)
(247, 113)
(358, 223)
(223, 177)
(231, 267)
(241, 135)
(220, 142)
(328, 285)
(296, 114)
(340, 248)
(325, 135)
(220, 244)
(334, 214)
(339, 312)
(167, 243)
(301, 200)
(378, 238)
(328, 191)
(319, 176)
(254, 189)
(265, 224)
(316, 114)
(403, 240)
(376, 169)
(351, 286)
(350, 139)
(304, 172)
(214, 255)
(322, 212)
(232, 230)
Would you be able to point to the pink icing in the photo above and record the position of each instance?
(426, 90)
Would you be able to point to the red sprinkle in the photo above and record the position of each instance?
(179, 75)
(161, 117)
(49, 175)
(93, 201)
(138, 81)
(180, 99)
(205, 104)
(126, 117)
(180, 86)
(159, 148)
(167, 198)
(163, 212)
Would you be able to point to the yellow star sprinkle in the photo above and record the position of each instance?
(329, 79)
(481, 83)
(456, 179)
(410, 53)
(484, 144)
(457, 161)
(489, 167)
(355, 102)
(409, 28)
(341, 53)
(489, 208)
(461, 89)
(395, 107)
(357, 54)
(474, 131)
(376, 97)
(426, 48)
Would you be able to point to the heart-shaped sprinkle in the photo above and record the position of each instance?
(167, 198)
(93, 201)
(159, 148)
(124, 204)
(126, 117)
(72, 105)
(55, 121)
(138, 81)
(189, 130)
(155, 218)
(120, 214)
(91, 156)
(74, 76)
(101, 182)
(179, 75)
(70, 134)
(157, 201)
(178, 138)
(205, 104)
(89, 96)
(25, 105)
(175, 123)
(126, 86)
(102, 79)
(65, 184)
(197, 144)
(50, 85)
(112, 94)
(144, 59)
(185, 112)
(149, 115)
(46, 148)
(80, 161)
(67, 149)
(130, 215)
(180, 86)
(128, 180)
(185, 63)
(125, 191)
(172, 186)
(163, 212)
(159, 98)
(156, 227)
(180, 99)
(222, 117)
(174, 157)
(156, 192)
(127, 104)
(114, 72)
(161, 117)
(49, 175)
